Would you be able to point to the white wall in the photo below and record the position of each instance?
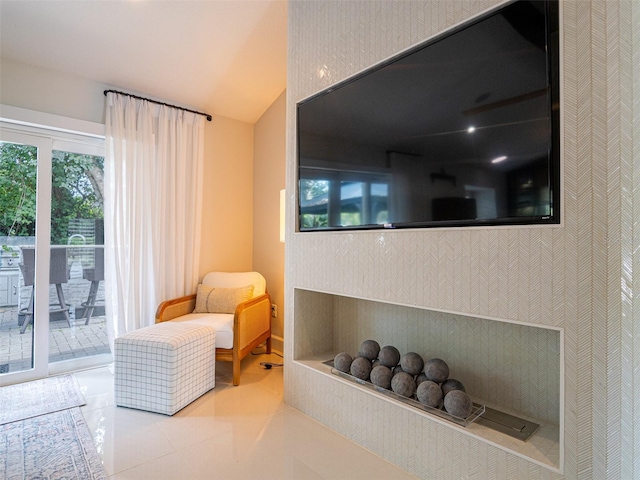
(52, 92)
(269, 179)
(577, 277)
(227, 218)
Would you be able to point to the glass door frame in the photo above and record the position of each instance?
(84, 145)
(40, 332)
(47, 140)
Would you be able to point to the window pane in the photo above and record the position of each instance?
(379, 203)
(314, 207)
(351, 203)
(329, 198)
(18, 167)
(77, 320)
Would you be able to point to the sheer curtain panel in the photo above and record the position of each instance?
(153, 202)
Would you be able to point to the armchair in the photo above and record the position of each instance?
(237, 334)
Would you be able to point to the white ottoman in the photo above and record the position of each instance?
(164, 367)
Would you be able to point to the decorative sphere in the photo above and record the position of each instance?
(389, 356)
(412, 363)
(429, 393)
(436, 370)
(381, 376)
(403, 384)
(458, 403)
(342, 362)
(421, 378)
(369, 349)
(361, 368)
(452, 384)
(397, 369)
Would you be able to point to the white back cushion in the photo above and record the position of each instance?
(236, 280)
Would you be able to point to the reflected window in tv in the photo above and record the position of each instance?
(461, 130)
(340, 198)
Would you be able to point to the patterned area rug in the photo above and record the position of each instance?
(54, 446)
(30, 399)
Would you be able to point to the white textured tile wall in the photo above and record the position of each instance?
(577, 277)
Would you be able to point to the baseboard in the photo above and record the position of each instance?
(277, 345)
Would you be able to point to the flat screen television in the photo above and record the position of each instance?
(461, 130)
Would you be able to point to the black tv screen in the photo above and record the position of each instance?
(461, 130)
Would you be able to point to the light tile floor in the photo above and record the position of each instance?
(243, 432)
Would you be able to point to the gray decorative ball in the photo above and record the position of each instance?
(361, 368)
(429, 393)
(421, 378)
(458, 403)
(403, 384)
(381, 376)
(412, 363)
(389, 356)
(369, 349)
(397, 369)
(342, 362)
(452, 384)
(436, 370)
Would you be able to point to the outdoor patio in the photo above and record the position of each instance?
(76, 291)
(65, 342)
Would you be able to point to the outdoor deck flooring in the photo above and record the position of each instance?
(65, 342)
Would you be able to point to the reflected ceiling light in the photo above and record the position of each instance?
(499, 159)
(471, 129)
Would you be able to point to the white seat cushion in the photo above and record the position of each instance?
(222, 322)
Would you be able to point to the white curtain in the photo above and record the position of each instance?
(153, 202)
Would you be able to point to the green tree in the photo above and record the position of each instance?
(17, 189)
(318, 191)
(77, 190)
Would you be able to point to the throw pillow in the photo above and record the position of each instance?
(225, 300)
(202, 295)
(221, 300)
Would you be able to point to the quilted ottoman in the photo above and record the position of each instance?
(164, 367)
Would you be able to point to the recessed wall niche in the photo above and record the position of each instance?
(512, 367)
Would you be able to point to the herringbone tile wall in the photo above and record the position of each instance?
(577, 277)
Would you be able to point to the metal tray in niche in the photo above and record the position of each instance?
(511, 425)
(477, 411)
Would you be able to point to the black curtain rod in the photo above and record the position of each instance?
(159, 103)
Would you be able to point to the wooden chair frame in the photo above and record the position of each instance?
(251, 326)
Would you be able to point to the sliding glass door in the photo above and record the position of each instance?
(25, 168)
(51, 240)
(77, 239)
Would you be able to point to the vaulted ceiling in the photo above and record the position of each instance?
(225, 57)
